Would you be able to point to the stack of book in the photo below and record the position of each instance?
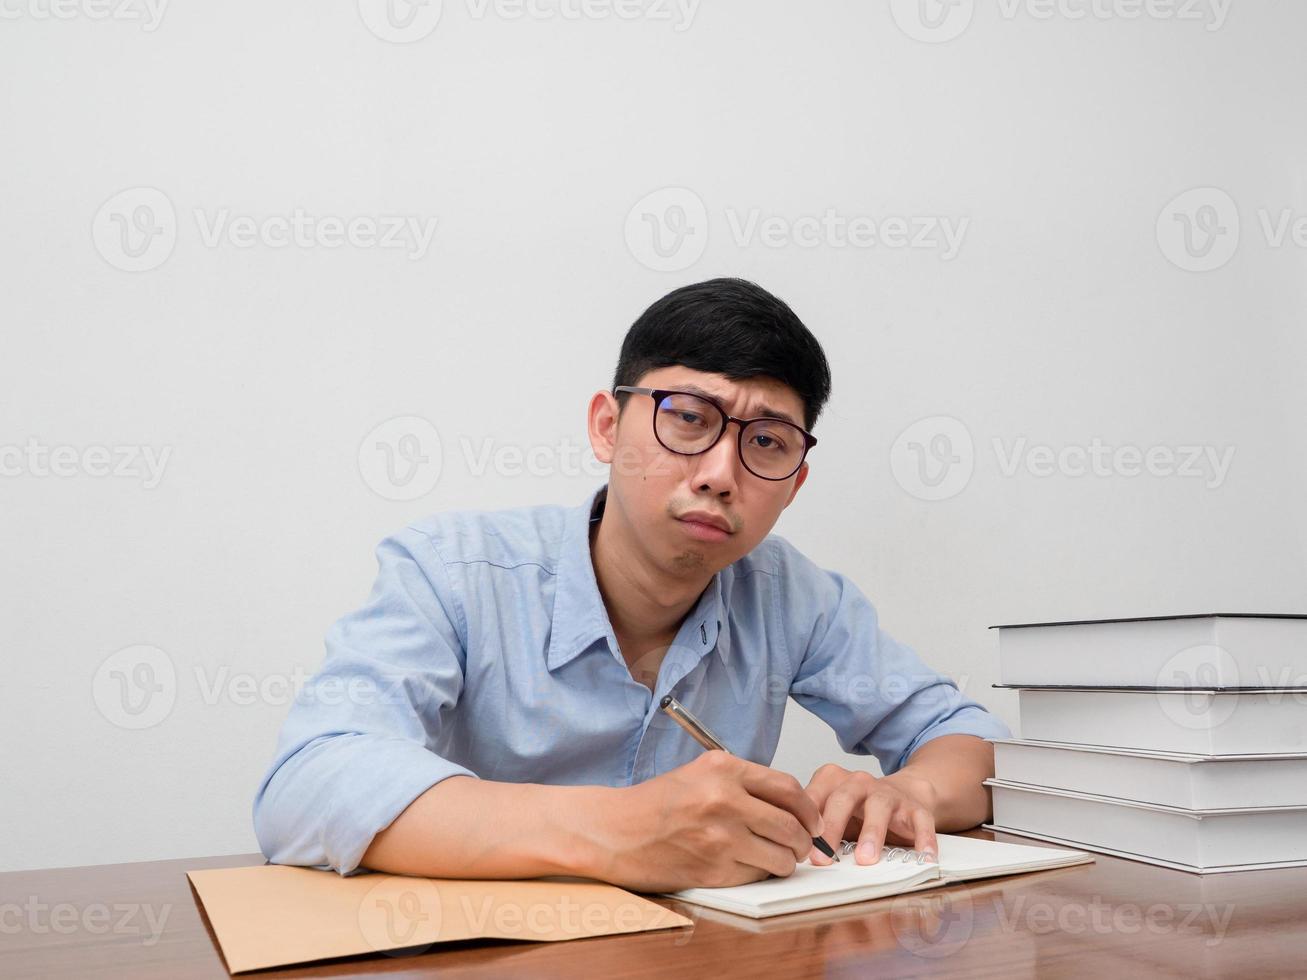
(1177, 740)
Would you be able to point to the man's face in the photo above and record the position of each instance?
(655, 489)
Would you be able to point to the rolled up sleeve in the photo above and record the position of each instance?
(358, 745)
(875, 692)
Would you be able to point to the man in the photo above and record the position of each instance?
(493, 711)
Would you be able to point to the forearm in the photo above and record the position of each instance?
(954, 767)
(475, 828)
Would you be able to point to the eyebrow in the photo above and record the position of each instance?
(766, 410)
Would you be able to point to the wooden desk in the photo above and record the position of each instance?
(1112, 918)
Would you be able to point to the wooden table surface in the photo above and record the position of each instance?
(1113, 918)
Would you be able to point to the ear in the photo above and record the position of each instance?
(601, 424)
(800, 477)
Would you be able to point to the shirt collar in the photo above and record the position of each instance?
(580, 617)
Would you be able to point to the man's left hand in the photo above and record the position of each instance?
(899, 808)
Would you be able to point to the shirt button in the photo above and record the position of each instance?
(703, 633)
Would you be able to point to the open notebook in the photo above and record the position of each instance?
(815, 886)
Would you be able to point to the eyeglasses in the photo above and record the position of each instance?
(688, 425)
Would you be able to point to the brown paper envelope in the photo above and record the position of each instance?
(276, 915)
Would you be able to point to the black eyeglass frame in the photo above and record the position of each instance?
(809, 440)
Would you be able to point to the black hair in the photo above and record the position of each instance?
(731, 327)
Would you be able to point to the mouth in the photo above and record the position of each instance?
(705, 527)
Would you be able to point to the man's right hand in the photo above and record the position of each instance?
(719, 820)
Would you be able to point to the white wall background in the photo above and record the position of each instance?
(1064, 317)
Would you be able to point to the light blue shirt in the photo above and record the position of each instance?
(485, 650)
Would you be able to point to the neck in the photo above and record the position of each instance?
(645, 604)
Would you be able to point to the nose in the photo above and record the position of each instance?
(718, 470)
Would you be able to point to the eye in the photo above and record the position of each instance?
(765, 440)
(682, 415)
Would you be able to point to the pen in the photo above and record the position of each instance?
(708, 740)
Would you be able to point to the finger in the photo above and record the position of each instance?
(776, 825)
(782, 790)
(875, 822)
(923, 834)
(840, 806)
(823, 782)
(765, 855)
(912, 825)
(850, 833)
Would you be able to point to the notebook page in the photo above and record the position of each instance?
(961, 858)
(815, 886)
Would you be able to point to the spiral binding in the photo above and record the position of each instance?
(901, 854)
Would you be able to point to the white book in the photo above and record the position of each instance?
(815, 886)
(1215, 650)
(1195, 782)
(1192, 840)
(1209, 722)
